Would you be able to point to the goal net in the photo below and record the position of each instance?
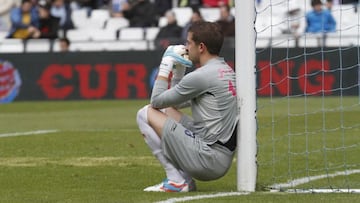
(308, 104)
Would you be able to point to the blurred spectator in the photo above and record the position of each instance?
(49, 25)
(116, 8)
(162, 6)
(169, 34)
(319, 19)
(329, 4)
(23, 20)
(64, 44)
(61, 9)
(214, 3)
(293, 19)
(140, 13)
(196, 16)
(190, 3)
(5, 8)
(226, 21)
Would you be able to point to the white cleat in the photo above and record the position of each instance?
(171, 186)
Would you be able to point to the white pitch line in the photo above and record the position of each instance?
(39, 132)
(197, 197)
(36, 132)
(293, 183)
(304, 180)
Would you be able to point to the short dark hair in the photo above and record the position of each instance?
(66, 40)
(197, 11)
(226, 6)
(25, 1)
(208, 33)
(316, 2)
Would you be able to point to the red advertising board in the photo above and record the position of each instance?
(129, 75)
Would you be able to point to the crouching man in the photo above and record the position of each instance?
(202, 146)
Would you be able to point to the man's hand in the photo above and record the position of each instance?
(180, 55)
(175, 56)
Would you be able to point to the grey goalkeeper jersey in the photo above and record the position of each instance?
(212, 92)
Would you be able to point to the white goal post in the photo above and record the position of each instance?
(246, 93)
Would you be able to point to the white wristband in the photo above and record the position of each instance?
(166, 66)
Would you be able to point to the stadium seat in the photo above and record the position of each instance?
(56, 46)
(344, 16)
(100, 14)
(262, 42)
(12, 46)
(102, 34)
(311, 40)
(79, 17)
(116, 23)
(78, 35)
(210, 14)
(98, 18)
(131, 33)
(284, 41)
(183, 15)
(150, 35)
(139, 45)
(38, 45)
(3, 35)
(151, 32)
(339, 39)
(86, 46)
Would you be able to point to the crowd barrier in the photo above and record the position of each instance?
(130, 74)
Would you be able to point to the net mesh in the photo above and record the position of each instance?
(307, 98)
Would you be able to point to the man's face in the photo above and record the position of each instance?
(192, 48)
(64, 46)
(43, 13)
(26, 7)
(224, 14)
(58, 3)
(318, 7)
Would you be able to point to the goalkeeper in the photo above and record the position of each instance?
(202, 146)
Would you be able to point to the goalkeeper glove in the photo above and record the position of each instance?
(174, 56)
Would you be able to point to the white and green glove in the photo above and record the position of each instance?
(175, 59)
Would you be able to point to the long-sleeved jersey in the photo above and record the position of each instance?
(212, 92)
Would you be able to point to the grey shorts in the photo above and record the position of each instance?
(186, 151)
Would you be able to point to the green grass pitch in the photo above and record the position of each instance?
(93, 152)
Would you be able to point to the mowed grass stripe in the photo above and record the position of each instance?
(79, 161)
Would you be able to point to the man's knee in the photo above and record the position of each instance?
(141, 115)
(156, 119)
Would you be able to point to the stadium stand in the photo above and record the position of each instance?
(97, 30)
